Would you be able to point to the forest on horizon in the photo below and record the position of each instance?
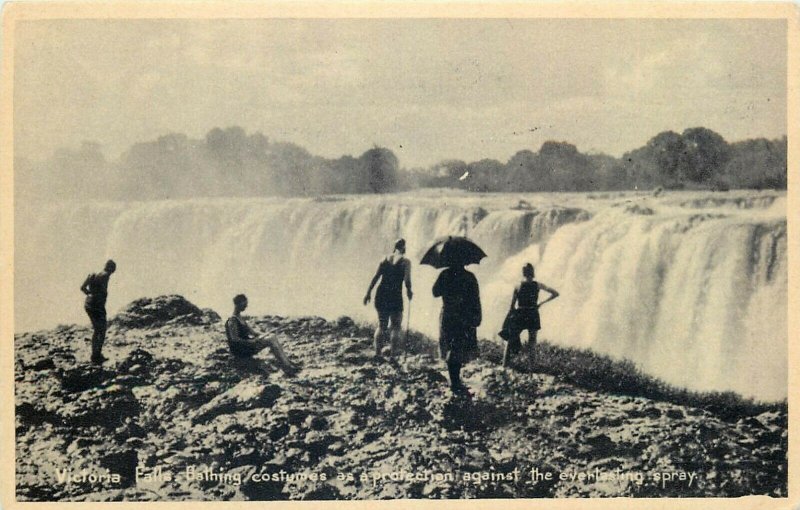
(231, 162)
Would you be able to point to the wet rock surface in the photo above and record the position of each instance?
(172, 416)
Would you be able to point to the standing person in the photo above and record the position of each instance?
(460, 316)
(245, 343)
(96, 289)
(393, 271)
(525, 312)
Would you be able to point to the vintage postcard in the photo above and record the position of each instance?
(404, 253)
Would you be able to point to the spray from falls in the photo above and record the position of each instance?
(699, 301)
(695, 294)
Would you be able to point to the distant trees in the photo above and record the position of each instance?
(557, 166)
(230, 162)
(700, 157)
(665, 150)
(696, 158)
(672, 160)
(381, 167)
(486, 175)
(705, 155)
(758, 163)
(569, 169)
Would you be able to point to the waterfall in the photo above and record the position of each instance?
(699, 301)
(690, 286)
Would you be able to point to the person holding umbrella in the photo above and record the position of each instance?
(393, 272)
(461, 303)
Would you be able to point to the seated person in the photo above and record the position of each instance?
(246, 343)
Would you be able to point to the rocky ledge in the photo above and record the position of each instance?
(171, 416)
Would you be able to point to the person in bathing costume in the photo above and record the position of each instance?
(246, 343)
(96, 289)
(524, 313)
(393, 272)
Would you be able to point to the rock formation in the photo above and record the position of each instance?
(173, 417)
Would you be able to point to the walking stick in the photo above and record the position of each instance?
(408, 324)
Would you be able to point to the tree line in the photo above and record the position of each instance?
(698, 158)
(231, 162)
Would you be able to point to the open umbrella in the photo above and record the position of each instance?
(453, 251)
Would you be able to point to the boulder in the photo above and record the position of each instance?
(211, 316)
(45, 363)
(136, 358)
(162, 310)
(345, 322)
(248, 394)
(104, 407)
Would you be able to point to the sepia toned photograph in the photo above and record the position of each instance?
(480, 255)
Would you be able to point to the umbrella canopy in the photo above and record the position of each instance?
(453, 251)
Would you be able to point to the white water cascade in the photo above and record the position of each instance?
(690, 286)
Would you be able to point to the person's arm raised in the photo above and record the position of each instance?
(553, 293)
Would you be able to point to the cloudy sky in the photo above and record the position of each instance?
(427, 89)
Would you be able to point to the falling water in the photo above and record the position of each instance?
(690, 286)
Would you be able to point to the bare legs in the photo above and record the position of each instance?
(99, 324)
(508, 352)
(384, 322)
(377, 338)
(531, 340)
(514, 346)
(276, 349)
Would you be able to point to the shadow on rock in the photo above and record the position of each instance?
(104, 407)
(83, 377)
(473, 415)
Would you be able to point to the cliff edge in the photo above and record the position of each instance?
(171, 416)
